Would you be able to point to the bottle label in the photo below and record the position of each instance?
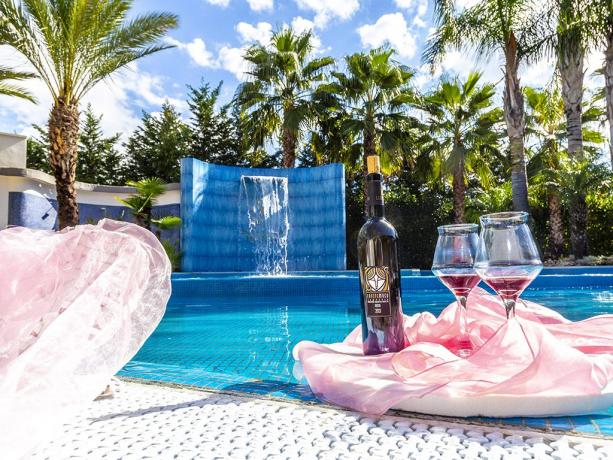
(375, 193)
(377, 291)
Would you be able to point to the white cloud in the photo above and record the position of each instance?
(260, 33)
(389, 29)
(416, 8)
(231, 59)
(461, 62)
(222, 3)
(302, 25)
(260, 5)
(422, 8)
(119, 100)
(228, 58)
(148, 87)
(326, 10)
(196, 49)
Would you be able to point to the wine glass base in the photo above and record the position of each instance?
(464, 352)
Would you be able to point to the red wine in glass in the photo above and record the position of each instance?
(460, 283)
(508, 287)
(507, 259)
(453, 264)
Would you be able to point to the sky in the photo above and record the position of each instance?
(213, 34)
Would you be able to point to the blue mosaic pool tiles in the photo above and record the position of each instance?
(211, 241)
(189, 285)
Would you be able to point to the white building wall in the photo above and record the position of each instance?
(41, 184)
(12, 150)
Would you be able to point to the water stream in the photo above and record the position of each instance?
(263, 201)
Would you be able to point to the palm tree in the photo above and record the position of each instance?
(278, 95)
(599, 26)
(492, 26)
(10, 89)
(549, 168)
(571, 47)
(545, 123)
(73, 45)
(462, 123)
(374, 94)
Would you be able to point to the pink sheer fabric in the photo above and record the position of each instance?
(75, 306)
(538, 353)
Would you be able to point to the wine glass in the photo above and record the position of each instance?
(453, 263)
(507, 259)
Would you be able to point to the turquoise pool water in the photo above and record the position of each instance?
(236, 332)
(202, 340)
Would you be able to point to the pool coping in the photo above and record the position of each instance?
(505, 428)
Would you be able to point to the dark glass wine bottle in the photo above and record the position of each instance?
(382, 319)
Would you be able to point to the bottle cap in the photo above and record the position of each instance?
(373, 164)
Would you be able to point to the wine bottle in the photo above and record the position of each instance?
(382, 319)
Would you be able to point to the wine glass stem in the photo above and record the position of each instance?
(462, 303)
(509, 305)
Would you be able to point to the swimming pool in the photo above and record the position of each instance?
(243, 340)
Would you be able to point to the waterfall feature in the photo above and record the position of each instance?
(264, 202)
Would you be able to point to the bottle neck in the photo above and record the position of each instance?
(374, 190)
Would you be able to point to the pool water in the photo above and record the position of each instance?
(221, 341)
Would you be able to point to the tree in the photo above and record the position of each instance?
(73, 45)
(374, 92)
(37, 150)
(462, 122)
(141, 206)
(8, 88)
(545, 123)
(549, 167)
(598, 22)
(277, 97)
(214, 132)
(330, 143)
(491, 26)
(155, 148)
(571, 47)
(99, 161)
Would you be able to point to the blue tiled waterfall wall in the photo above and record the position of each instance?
(33, 211)
(211, 240)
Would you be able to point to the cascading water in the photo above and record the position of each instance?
(264, 202)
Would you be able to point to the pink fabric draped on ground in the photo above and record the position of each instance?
(75, 306)
(538, 353)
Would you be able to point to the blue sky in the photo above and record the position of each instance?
(213, 33)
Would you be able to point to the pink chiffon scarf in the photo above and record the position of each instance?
(537, 353)
(75, 306)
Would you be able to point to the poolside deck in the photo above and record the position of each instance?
(167, 422)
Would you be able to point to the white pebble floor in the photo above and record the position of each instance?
(161, 422)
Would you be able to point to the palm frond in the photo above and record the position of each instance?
(74, 45)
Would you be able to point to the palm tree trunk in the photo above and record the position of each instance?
(459, 192)
(556, 226)
(288, 142)
(570, 63)
(368, 150)
(514, 116)
(578, 224)
(63, 141)
(608, 81)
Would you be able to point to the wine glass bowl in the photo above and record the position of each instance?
(453, 264)
(507, 258)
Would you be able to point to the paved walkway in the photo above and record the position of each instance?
(160, 422)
